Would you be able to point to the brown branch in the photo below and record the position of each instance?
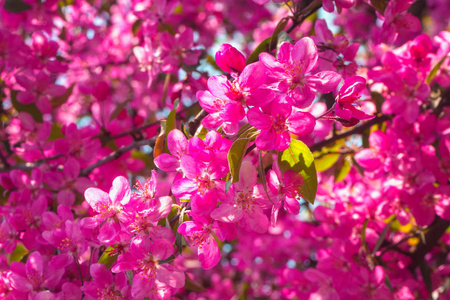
(303, 14)
(193, 125)
(432, 237)
(29, 165)
(116, 154)
(356, 130)
(129, 132)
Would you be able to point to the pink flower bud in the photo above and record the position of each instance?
(101, 91)
(229, 59)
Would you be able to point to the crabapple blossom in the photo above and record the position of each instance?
(312, 163)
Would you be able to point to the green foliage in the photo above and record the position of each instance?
(237, 152)
(18, 253)
(435, 69)
(28, 108)
(262, 47)
(58, 101)
(107, 259)
(299, 158)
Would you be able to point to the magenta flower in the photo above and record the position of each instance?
(290, 72)
(285, 190)
(348, 94)
(230, 60)
(214, 107)
(109, 208)
(143, 258)
(104, 286)
(34, 276)
(203, 184)
(202, 231)
(243, 202)
(177, 144)
(277, 123)
(245, 90)
(207, 148)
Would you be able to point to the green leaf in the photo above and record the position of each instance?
(118, 110)
(326, 161)
(107, 259)
(171, 118)
(28, 108)
(136, 26)
(18, 253)
(283, 37)
(145, 158)
(211, 60)
(64, 3)
(55, 132)
(262, 175)
(190, 285)
(299, 158)
(58, 101)
(262, 47)
(280, 27)
(382, 237)
(379, 5)
(363, 234)
(237, 153)
(160, 141)
(435, 69)
(342, 171)
(167, 260)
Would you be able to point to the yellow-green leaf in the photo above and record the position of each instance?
(108, 259)
(262, 47)
(18, 253)
(171, 122)
(58, 101)
(342, 171)
(237, 153)
(435, 69)
(28, 108)
(299, 158)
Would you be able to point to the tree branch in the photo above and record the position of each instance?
(29, 165)
(432, 237)
(116, 154)
(356, 130)
(193, 125)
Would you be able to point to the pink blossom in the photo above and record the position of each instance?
(289, 72)
(109, 208)
(279, 121)
(349, 93)
(243, 203)
(230, 60)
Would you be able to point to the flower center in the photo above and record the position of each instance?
(205, 183)
(245, 200)
(199, 237)
(279, 123)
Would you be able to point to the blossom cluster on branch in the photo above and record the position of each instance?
(143, 156)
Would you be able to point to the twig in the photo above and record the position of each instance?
(30, 165)
(305, 13)
(195, 123)
(116, 154)
(433, 235)
(129, 132)
(395, 246)
(142, 127)
(355, 130)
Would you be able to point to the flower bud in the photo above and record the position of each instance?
(229, 59)
(101, 91)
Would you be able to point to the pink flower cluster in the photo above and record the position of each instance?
(312, 165)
